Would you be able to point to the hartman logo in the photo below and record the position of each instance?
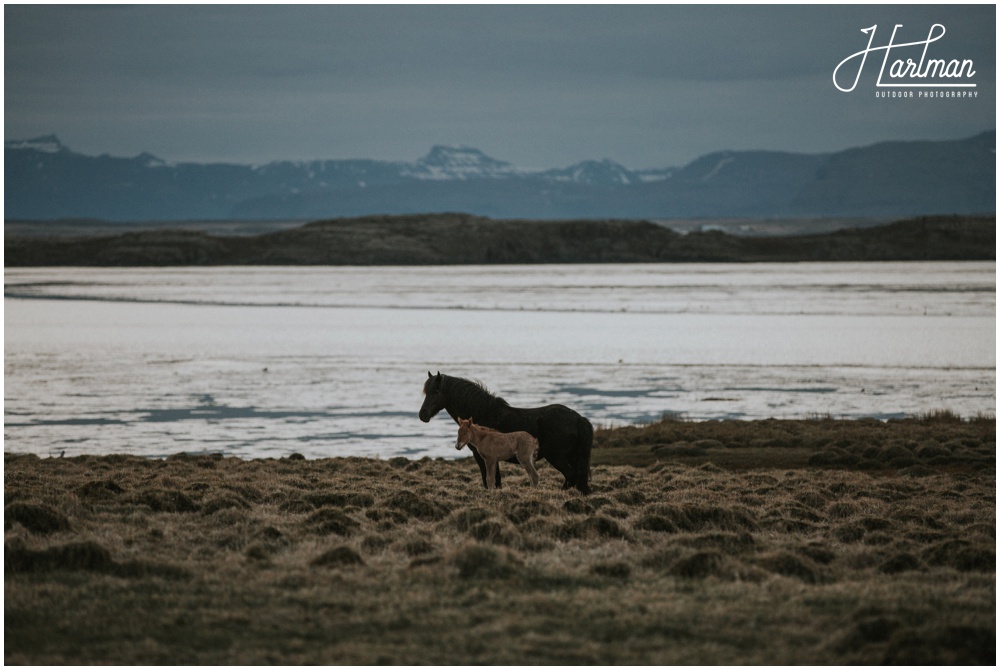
(909, 69)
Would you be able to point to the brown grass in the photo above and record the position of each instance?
(691, 555)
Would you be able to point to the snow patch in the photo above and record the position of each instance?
(150, 161)
(723, 162)
(605, 172)
(48, 144)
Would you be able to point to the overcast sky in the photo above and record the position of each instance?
(539, 86)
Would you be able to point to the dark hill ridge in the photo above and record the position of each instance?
(441, 239)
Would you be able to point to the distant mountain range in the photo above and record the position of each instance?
(44, 180)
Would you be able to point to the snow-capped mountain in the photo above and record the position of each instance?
(43, 180)
(449, 162)
(605, 172)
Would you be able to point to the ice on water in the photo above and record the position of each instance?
(261, 362)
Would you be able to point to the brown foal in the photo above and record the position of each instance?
(495, 446)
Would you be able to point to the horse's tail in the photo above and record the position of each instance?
(585, 435)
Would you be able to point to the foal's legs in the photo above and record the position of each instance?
(491, 468)
(528, 462)
(481, 462)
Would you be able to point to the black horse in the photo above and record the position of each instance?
(564, 437)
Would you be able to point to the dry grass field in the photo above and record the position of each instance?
(770, 542)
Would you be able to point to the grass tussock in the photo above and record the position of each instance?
(737, 548)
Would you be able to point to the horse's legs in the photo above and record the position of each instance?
(560, 449)
(558, 460)
(480, 462)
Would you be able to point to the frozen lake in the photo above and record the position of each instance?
(261, 362)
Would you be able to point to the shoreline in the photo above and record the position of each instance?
(727, 443)
(731, 444)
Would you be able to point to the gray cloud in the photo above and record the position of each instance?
(538, 85)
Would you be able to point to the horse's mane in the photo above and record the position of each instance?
(474, 393)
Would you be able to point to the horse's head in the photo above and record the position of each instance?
(434, 399)
(464, 433)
